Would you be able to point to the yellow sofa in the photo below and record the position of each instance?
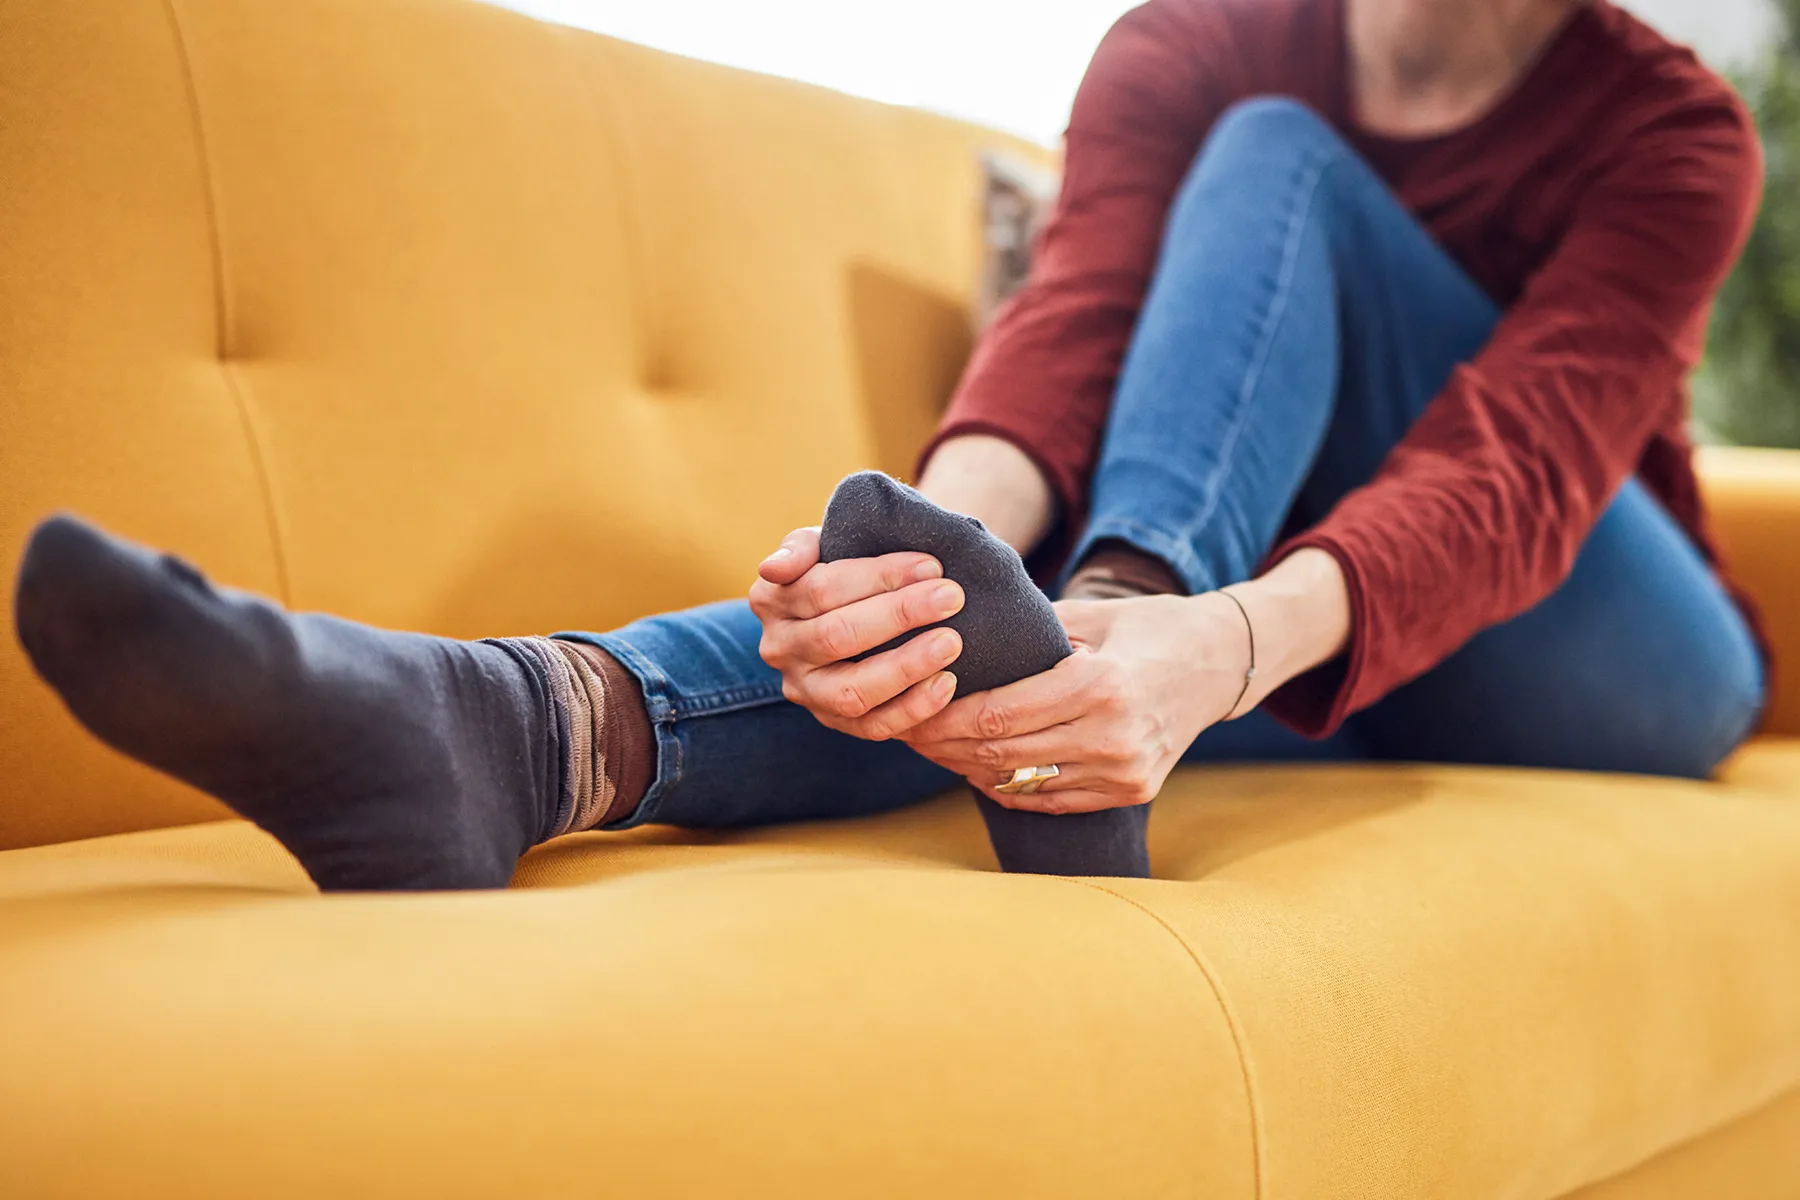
(428, 314)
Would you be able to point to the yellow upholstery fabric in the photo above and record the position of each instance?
(339, 298)
(1352, 982)
(1754, 498)
(438, 317)
(1756, 1158)
(113, 400)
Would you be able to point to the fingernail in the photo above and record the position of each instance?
(779, 554)
(946, 597)
(943, 685)
(945, 642)
(929, 569)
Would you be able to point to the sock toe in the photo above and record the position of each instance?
(76, 587)
(1008, 626)
(1009, 631)
(97, 614)
(380, 759)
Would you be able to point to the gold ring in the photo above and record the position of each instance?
(1027, 780)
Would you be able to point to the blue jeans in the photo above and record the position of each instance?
(1299, 321)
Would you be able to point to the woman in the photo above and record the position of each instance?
(1375, 313)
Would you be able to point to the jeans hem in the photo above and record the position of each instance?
(660, 704)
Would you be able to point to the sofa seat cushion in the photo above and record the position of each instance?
(1384, 981)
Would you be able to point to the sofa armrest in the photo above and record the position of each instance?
(1753, 497)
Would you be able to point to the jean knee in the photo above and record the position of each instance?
(1690, 733)
(1265, 123)
(1259, 141)
(1738, 709)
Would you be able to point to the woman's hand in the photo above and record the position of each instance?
(815, 616)
(1147, 675)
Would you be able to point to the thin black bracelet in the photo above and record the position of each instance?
(1251, 672)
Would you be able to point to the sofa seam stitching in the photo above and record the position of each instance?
(1231, 1023)
(224, 325)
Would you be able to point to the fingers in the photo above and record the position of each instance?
(1086, 621)
(831, 586)
(845, 632)
(1083, 742)
(817, 617)
(852, 691)
(823, 587)
(916, 704)
(1098, 764)
(1081, 683)
(1075, 716)
(1062, 801)
(1091, 756)
(797, 554)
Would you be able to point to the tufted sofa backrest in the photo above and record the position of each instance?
(438, 317)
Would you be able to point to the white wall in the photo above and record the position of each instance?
(1012, 64)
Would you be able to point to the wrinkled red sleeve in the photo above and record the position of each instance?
(1042, 376)
(1478, 514)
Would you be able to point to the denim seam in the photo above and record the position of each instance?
(661, 709)
(666, 709)
(1266, 335)
(712, 704)
(679, 707)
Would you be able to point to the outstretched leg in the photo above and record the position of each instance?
(387, 760)
(381, 760)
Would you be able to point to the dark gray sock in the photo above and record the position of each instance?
(381, 760)
(1009, 631)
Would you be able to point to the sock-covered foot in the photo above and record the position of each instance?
(381, 760)
(1009, 631)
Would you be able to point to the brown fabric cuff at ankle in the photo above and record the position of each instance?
(626, 742)
(1114, 569)
(590, 787)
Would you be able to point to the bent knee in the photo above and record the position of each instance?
(1262, 122)
(1708, 740)
(1258, 143)
(1685, 733)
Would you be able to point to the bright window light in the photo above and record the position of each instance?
(1010, 64)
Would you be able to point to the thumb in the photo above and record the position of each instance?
(797, 554)
(1086, 621)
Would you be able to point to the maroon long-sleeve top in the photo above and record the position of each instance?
(1600, 203)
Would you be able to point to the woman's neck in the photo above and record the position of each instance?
(1425, 67)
